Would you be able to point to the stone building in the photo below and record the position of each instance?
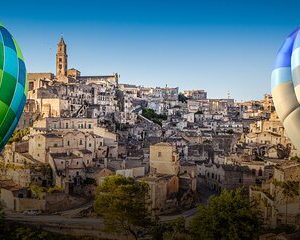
(40, 145)
(164, 159)
(68, 168)
(221, 176)
(69, 94)
(65, 124)
(276, 207)
(163, 189)
(195, 94)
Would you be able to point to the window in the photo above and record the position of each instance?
(68, 143)
(159, 154)
(80, 142)
(20, 195)
(31, 86)
(90, 126)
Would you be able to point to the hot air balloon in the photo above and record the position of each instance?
(286, 86)
(13, 85)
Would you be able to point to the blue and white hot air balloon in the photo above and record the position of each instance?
(286, 86)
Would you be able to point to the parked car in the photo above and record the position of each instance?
(32, 212)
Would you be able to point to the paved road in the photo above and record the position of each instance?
(187, 214)
(92, 227)
(75, 212)
(70, 220)
(65, 218)
(84, 221)
(54, 219)
(77, 226)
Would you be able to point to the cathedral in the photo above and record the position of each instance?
(63, 74)
(69, 94)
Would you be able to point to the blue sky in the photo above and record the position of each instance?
(218, 46)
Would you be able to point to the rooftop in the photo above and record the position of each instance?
(64, 155)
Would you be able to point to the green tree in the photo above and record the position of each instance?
(229, 216)
(176, 230)
(290, 189)
(121, 203)
(18, 135)
(173, 230)
(1, 219)
(26, 233)
(182, 98)
(230, 131)
(15, 231)
(295, 158)
(207, 141)
(37, 191)
(158, 229)
(199, 112)
(153, 116)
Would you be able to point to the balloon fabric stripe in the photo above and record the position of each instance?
(13, 83)
(285, 85)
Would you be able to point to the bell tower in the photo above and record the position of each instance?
(61, 59)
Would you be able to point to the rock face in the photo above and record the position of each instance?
(13, 85)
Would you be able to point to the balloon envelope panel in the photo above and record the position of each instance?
(13, 85)
(286, 86)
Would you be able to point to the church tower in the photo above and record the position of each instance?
(61, 59)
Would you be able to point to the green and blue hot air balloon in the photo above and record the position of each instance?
(13, 85)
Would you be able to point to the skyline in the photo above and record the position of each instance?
(218, 47)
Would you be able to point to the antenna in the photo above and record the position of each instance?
(228, 94)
